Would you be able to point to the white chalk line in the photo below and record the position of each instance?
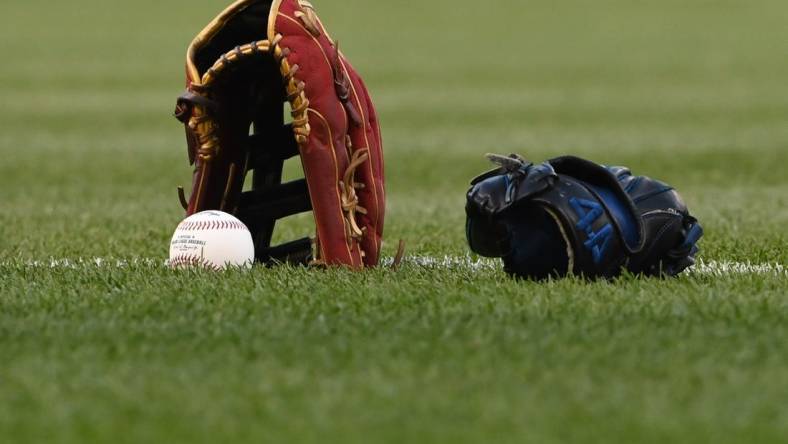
(712, 267)
(459, 263)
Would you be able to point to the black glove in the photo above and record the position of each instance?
(570, 215)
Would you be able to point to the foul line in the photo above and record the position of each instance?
(713, 267)
(468, 263)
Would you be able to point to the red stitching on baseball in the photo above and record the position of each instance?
(211, 225)
(191, 261)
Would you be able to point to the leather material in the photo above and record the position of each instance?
(570, 215)
(547, 253)
(497, 195)
(235, 70)
(671, 232)
(327, 149)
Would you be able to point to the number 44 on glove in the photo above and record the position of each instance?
(572, 216)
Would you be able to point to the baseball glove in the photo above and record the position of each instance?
(250, 62)
(572, 216)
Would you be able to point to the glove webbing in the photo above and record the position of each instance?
(269, 200)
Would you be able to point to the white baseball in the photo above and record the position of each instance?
(213, 240)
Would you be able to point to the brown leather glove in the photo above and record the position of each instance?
(242, 69)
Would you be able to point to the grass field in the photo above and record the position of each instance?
(693, 92)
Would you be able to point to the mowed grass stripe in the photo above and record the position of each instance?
(448, 348)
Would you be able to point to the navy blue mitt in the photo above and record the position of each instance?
(572, 216)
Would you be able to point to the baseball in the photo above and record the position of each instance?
(213, 240)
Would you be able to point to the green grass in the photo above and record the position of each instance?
(690, 92)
